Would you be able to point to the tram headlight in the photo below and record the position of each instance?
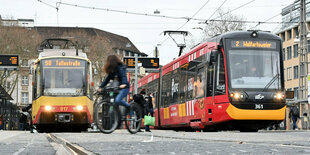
(48, 108)
(279, 96)
(237, 96)
(79, 107)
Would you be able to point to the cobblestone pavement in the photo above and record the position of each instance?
(171, 142)
(161, 142)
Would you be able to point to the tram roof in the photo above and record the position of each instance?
(62, 52)
(244, 34)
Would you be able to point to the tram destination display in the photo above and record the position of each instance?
(9, 60)
(146, 62)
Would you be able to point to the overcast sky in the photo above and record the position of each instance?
(144, 31)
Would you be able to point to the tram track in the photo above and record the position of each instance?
(71, 148)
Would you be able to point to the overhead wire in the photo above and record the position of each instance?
(172, 17)
(188, 20)
(259, 23)
(217, 9)
(243, 5)
(47, 4)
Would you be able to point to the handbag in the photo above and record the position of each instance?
(149, 120)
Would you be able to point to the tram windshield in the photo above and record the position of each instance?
(64, 77)
(254, 69)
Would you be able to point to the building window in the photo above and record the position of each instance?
(295, 72)
(289, 52)
(296, 32)
(132, 54)
(126, 53)
(302, 70)
(295, 93)
(295, 50)
(308, 46)
(289, 34)
(24, 98)
(283, 53)
(283, 36)
(284, 72)
(289, 73)
(25, 80)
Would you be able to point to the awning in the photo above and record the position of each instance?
(4, 94)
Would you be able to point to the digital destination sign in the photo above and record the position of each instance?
(9, 60)
(63, 63)
(146, 62)
(253, 44)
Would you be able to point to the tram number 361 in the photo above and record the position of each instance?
(259, 106)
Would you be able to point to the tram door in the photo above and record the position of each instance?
(216, 84)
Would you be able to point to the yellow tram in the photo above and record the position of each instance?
(62, 82)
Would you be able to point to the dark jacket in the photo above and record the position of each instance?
(294, 112)
(149, 104)
(120, 73)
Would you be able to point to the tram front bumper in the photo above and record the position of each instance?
(54, 118)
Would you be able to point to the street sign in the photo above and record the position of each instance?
(9, 61)
(146, 62)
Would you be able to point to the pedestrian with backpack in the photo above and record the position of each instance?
(294, 115)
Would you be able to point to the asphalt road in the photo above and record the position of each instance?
(159, 142)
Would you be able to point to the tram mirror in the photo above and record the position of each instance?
(289, 94)
(213, 57)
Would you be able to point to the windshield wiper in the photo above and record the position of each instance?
(271, 82)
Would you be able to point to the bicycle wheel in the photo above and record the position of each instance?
(134, 119)
(107, 117)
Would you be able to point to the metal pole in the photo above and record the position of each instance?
(303, 59)
(136, 74)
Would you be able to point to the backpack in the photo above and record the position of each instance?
(139, 99)
(295, 111)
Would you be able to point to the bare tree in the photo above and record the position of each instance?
(21, 41)
(225, 23)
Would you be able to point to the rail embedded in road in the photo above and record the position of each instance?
(72, 148)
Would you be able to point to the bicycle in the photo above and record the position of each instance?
(108, 116)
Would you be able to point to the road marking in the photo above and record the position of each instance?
(22, 149)
(150, 140)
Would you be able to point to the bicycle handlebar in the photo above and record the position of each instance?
(107, 89)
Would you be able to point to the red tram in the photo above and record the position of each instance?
(234, 81)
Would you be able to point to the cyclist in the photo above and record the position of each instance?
(116, 70)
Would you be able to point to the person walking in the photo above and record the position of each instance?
(294, 114)
(149, 109)
(116, 71)
(140, 99)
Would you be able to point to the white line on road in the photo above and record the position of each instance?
(22, 149)
(150, 140)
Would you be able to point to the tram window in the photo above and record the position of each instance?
(210, 72)
(88, 80)
(200, 83)
(191, 74)
(220, 77)
(174, 87)
(183, 84)
(166, 89)
(38, 81)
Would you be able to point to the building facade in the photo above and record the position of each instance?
(289, 32)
